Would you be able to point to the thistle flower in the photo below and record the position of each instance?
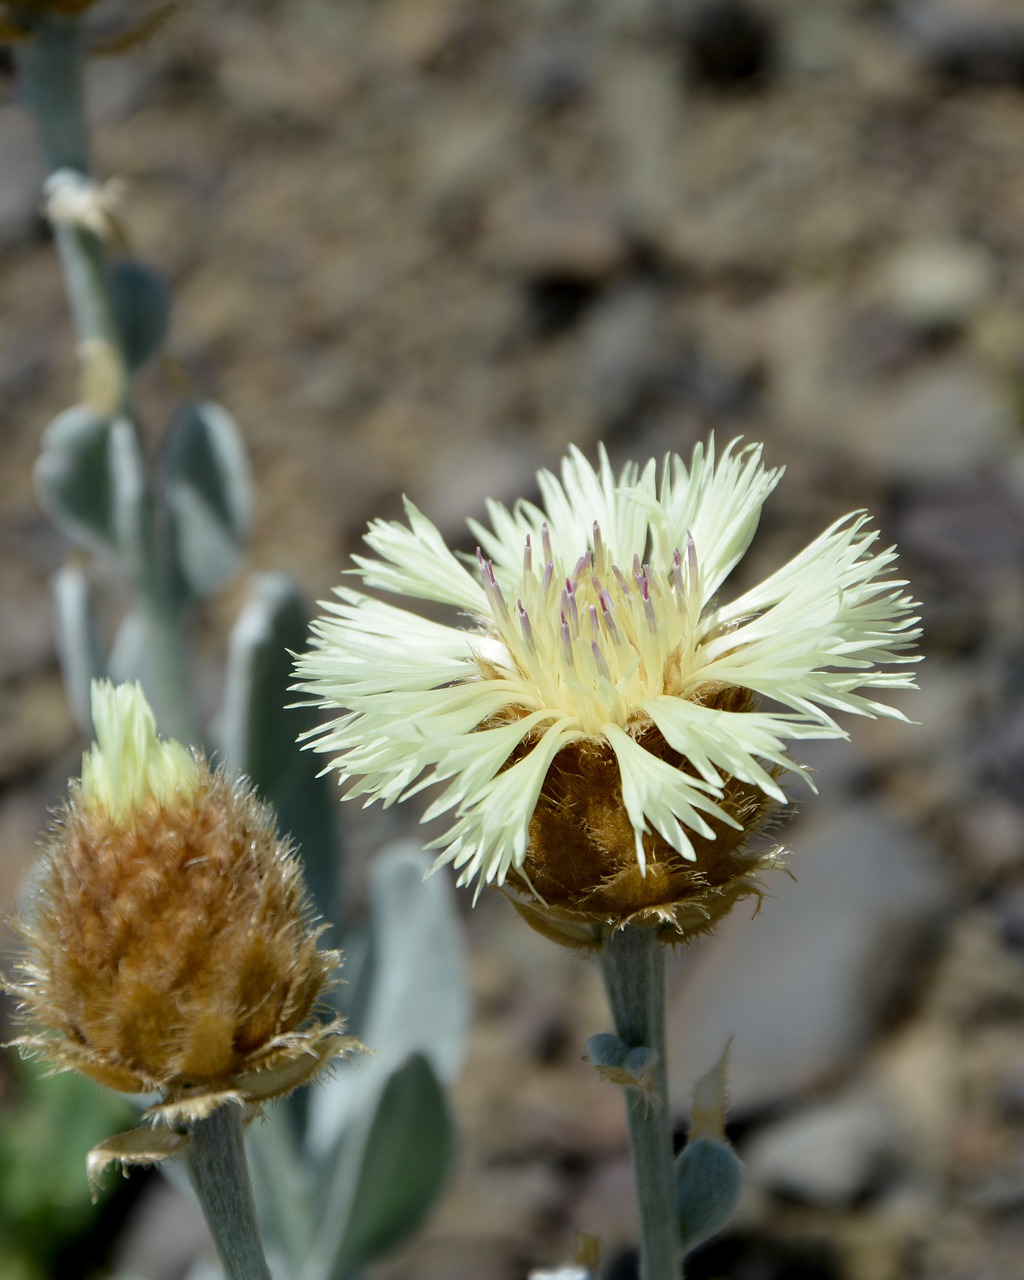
(170, 946)
(606, 735)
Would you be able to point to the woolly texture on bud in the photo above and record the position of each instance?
(170, 940)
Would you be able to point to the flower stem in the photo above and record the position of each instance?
(50, 76)
(49, 65)
(219, 1173)
(633, 968)
(50, 62)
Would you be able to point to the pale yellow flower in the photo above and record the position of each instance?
(606, 731)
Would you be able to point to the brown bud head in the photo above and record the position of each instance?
(581, 875)
(172, 948)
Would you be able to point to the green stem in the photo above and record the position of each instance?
(633, 968)
(50, 73)
(50, 77)
(219, 1173)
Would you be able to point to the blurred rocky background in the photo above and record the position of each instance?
(419, 246)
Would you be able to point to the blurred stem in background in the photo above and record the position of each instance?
(343, 1175)
(50, 76)
(50, 62)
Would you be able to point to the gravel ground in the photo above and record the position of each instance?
(419, 246)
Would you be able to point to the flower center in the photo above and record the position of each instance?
(593, 640)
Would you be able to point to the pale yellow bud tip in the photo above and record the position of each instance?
(129, 767)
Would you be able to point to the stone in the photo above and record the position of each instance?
(620, 356)
(415, 34)
(553, 71)
(937, 285)
(831, 1155)
(729, 42)
(559, 235)
(802, 986)
(965, 43)
(938, 422)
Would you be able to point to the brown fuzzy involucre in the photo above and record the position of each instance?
(581, 876)
(174, 950)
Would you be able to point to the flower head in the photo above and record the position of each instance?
(606, 733)
(170, 945)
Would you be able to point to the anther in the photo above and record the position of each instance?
(652, 620)
(567, 641)
(524, 622)
(491, 584)
(569, 605)
(599, 661)
(607, 613)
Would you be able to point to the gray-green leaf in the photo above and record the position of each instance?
(405, 1145)
(78, 643)
(208, 492)
(142, 305)
(75, 480)
(258, 731)
(709, 1181)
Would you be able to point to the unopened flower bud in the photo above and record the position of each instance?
(170, 940)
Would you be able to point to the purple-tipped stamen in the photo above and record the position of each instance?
(599, 660)
(569, 605)
(607, 611)
(645, 591)
(567, 641)
(677, 576)
(493, 591)
(524, 622)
